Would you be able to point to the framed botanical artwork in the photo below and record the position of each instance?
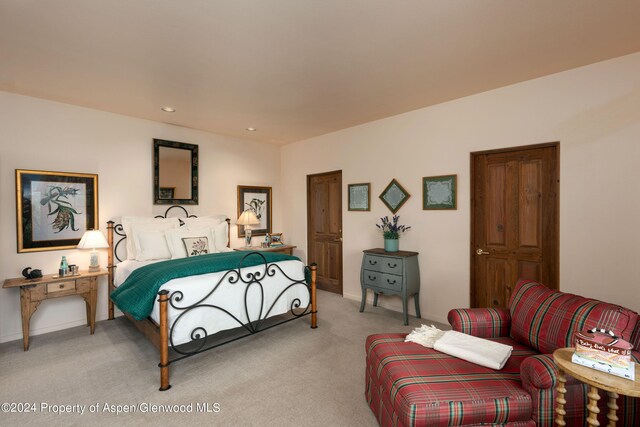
(54, 209)
(360, 197)
(394, 196)
(257, 199)
(439, 192)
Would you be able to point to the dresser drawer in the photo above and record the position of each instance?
(61, 286)
(372, 262)
(383, 264)
(382, 280)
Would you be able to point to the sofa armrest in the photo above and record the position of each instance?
(481, 322)
(541, 372)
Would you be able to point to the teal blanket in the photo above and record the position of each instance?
(138, 293)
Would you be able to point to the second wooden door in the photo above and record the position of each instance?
(324, 228)
(514, 221)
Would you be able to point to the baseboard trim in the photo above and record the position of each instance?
(44, 330)
(395, 306)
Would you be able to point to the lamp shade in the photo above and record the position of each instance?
(248, 217)
(93, 239)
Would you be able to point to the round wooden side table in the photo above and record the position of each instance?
(596, 380)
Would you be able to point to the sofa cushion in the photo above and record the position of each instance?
(408, 384)
(545, 319)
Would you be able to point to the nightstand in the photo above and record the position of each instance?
(391, 273)
(283, 249)
(34, 291)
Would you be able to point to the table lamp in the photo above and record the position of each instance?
(93, 239)
(248, 218)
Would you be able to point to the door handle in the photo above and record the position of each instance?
(481, 252)
(339, 239)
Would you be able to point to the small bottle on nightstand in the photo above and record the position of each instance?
(64, 267)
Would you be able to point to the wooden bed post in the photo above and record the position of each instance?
(110, 266)
(164, 341)
(314, 320)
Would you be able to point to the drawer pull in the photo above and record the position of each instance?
(372, 277)
(373, 262)
(62, 286)
(391, 282)
(392, 266)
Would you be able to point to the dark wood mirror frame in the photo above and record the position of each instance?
(157, 143)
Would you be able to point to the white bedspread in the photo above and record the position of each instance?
(228, 296)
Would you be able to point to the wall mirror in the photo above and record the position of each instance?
(175, 173)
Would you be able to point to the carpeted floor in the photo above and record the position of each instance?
(289, 375)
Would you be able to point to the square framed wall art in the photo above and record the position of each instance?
(54, 209)
(257, 199)
(394, 196)
(439, 192)
(360, 197)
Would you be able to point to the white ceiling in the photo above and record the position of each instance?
(295, 68)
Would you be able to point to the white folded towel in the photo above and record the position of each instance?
(476, 350)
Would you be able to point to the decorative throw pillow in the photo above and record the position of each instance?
(196, 245)
(176, 245)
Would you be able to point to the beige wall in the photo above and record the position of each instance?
(593, 111)
(44, 135)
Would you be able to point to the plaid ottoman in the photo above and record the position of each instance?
(410, 385)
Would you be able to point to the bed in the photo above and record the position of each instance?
(190, 304)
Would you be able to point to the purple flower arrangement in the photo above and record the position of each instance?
(391, 229)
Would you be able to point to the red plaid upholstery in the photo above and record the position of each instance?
(481, 322)
(635, 336)
(545, 319)
(410, 385)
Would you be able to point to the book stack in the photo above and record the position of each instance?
(627, 372)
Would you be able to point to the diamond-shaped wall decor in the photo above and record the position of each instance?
(394, 196)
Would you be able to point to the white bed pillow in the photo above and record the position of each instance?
(174, 240)
(202, 222)
(221, 236)
(132, 223)
(151, 245)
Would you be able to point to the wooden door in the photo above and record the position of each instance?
(324, 228)
(514, 221)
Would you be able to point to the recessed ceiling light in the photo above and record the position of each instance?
(251, 129)
(168, 109)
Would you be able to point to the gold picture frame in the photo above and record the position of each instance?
(54, 209)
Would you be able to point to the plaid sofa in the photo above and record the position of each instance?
(410, 385)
